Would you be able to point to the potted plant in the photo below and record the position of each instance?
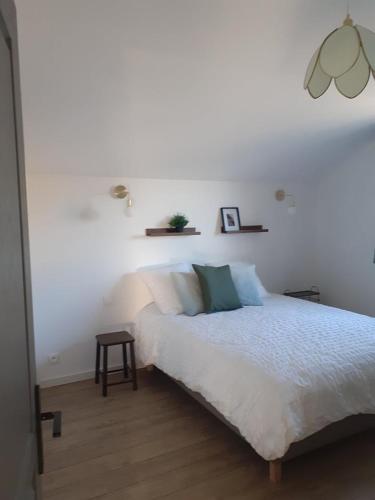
(178, 222)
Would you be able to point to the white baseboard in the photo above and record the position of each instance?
(68, 379)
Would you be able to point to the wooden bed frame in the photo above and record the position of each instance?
(330, 434)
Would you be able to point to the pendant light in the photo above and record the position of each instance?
(348, 56)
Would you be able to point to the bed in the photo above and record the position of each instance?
(288, 376)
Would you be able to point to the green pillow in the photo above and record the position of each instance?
(218, 290)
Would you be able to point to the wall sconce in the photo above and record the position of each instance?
(281, 195)
(121, 192)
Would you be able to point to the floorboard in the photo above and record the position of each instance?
(159, 443)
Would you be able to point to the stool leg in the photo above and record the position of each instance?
(105, 370)
(125, 360)
(134, 370)
(97, 363)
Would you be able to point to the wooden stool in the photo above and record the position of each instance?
(106, 340)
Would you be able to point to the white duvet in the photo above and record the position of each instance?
(278, 372)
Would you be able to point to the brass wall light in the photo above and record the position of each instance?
(121, 192)
(281, 195)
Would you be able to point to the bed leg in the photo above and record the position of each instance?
(275, 471)
(150, 368)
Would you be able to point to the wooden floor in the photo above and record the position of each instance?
(159, 443)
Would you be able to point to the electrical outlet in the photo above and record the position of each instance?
(54, 359)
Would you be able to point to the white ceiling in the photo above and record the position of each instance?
(191, 89)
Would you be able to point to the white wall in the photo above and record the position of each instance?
(85, 248)
(346, 231)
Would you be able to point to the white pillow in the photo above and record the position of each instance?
(250, 267)
(159, 281)
(189, 292)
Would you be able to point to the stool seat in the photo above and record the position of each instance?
(106, 340)
(114, 338)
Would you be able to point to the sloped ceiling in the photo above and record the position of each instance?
(192, 89)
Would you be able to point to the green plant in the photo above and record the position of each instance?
(178, 221)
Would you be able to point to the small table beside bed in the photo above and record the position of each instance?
(289, 376)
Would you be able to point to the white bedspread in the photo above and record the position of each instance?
(279, 372)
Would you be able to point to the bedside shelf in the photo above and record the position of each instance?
(164, 231)
(246, 229)
(311, 295)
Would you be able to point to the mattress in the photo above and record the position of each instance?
(278, 372)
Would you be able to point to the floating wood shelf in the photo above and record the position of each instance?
(166, 231)
(246, 229)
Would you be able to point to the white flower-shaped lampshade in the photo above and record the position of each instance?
(348, 56)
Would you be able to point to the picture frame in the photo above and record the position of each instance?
(230, 217)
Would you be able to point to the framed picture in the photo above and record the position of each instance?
(230, 217)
